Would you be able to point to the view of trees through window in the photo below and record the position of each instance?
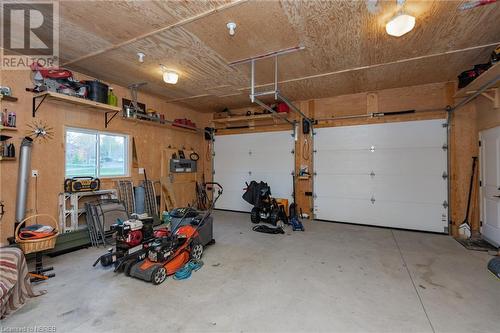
(96, 154)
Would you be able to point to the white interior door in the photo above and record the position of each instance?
(383, 175)
(241, 158)
(490, 185)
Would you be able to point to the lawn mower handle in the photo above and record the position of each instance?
(207, 185)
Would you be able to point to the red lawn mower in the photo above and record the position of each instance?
(166, 255)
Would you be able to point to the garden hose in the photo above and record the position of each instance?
(305, 150)
(185, 272)
(208, 154)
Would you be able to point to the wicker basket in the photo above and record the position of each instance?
(36, 245)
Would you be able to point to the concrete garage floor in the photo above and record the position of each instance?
(332, 278)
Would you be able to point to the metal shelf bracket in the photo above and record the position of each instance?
(36, 106)
(108, 120)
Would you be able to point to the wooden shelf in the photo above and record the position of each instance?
(489, 75)
(7, 128)
(57, 97)
(8, 98)
(159, 124)
(266, 116)
(3, 158)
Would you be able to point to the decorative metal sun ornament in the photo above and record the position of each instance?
(39, 130)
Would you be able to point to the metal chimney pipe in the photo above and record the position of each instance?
(23, 178)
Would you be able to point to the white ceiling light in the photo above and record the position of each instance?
(401, 23)
(232, 27)
(169, 76)
(140, 57)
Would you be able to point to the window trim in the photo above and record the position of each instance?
(127, 159)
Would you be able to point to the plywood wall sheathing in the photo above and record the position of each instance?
(48, 157)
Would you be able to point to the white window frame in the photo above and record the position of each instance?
(98, 159)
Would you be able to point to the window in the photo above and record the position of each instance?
(96, 154)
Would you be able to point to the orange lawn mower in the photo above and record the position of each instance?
(167, 255)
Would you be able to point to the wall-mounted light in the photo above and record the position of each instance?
(169, 76)
(401, 23)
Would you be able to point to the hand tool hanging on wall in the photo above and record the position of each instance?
(466, 222)
(150, 197)
(126, 195)
(135, 160)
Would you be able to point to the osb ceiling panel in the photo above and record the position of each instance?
(346, 47)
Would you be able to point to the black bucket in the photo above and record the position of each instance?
(98, 91)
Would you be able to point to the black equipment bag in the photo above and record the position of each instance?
(255, 192)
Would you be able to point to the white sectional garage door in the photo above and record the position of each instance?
(383, 175)
(242, 158)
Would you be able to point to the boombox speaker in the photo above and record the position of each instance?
(81, 184)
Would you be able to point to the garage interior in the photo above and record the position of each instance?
(257, 166)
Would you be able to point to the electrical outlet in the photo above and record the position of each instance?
(34, 173)
(141, 171)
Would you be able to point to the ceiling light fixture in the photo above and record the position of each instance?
(140, 57)
(232, 27)
(169, 76)
(401, 23)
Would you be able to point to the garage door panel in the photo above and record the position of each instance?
(354, 186)
(408, 215)
(406, 161)
(282, 185)
(384, 174)
(242, 158)
(235, 181)
(270, 160)
(342, 161)
(232, 201)
(422, 134)
(414, 189)
(409, 162)
(361, 211)
(344, 209)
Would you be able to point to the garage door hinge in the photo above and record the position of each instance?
(445, 204)
(445, 146)
(315, 151)
(445, 175)
(480, 183)
(445, 125)
(479, 143)
(372, 174)
(250, 152)
(373, 200)
(480, 223)
(213, 172)
(293, 151)
(315, 173)
(250, 173)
